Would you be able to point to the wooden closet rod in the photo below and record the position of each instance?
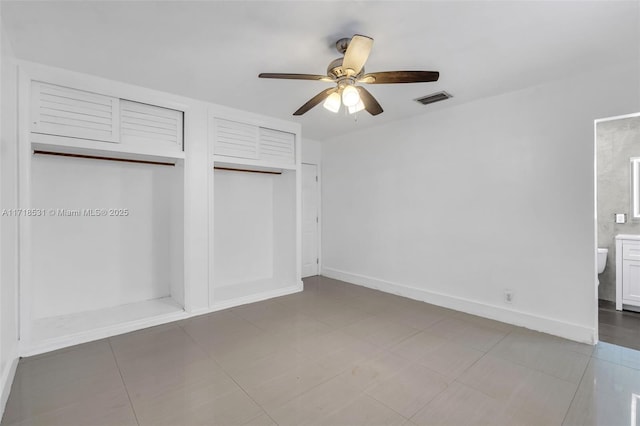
(95, 157)
(247, 170)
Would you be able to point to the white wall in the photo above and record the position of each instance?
(311, 151)
(8, 225)
(243, 215)
(455, 206)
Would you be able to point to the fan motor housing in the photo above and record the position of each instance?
(336, 71)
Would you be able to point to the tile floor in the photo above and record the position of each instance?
(335, 354)
(618, 327)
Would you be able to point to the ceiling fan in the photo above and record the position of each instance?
(347, 72)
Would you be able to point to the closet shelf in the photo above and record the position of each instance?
(66, 145)
(247, 164)
(54, 332)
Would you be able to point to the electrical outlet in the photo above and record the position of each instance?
(508, 296)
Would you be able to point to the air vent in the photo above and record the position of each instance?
(434, 97)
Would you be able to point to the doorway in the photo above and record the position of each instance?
(617, 150)
(310, 220)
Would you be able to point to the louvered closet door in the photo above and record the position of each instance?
(150, 125)
(62, 111)
(235, 139)
(277, 146)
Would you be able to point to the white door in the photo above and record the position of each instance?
(310, 221)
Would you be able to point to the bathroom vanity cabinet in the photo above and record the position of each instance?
(628, 272)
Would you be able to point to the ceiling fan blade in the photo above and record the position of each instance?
(315, 100)
(295, 76)
(370, 104)
(391, 77)
(356, 54)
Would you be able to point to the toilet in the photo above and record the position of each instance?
(602, 259)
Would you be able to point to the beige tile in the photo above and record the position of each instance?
(416, 347)
(157, 352)
(296, 327)
(266, 310)
(372, 302)
(337, 292)
(156, 363)
(408, 390)
(279, 390)
(46, 383)
(318, 346)
(484, 322)
(307, 303)
(103, 409)
(269, 367)
(234, 354)
(467, 333)
(340, 315)
(219, 328)
(547, 339)
(438, 354)
(72, 366)
(197, 407)
(277, 318)
(543, 353)
(379, 331)
(194, 378)
(416, 317)
(364, 411)
(335, 355)
(141, 343)
(356, 352)
(372, 371)
(528, 395)
(261, 420)
(316, 404)
(607, 395)
(460, 405)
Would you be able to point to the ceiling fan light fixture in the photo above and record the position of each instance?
(346, 72)
(332, 103)
(357, 107)
(350, 96)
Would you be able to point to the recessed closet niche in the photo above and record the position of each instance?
(254, 240)
(255, 210)
(112, 252)
(104, 172)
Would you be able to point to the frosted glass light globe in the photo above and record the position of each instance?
(332, 103)
(357, 107)
(350, 96)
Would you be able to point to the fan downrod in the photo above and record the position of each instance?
(342, 44)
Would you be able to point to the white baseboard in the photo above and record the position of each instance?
(6, 380)
(256, 297)
(552, 326)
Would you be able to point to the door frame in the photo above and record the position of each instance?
(319, 204)
(595, 208)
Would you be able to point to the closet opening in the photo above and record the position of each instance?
(254, 243)
(108, 249)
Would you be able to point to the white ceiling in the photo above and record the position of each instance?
(214, 50)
